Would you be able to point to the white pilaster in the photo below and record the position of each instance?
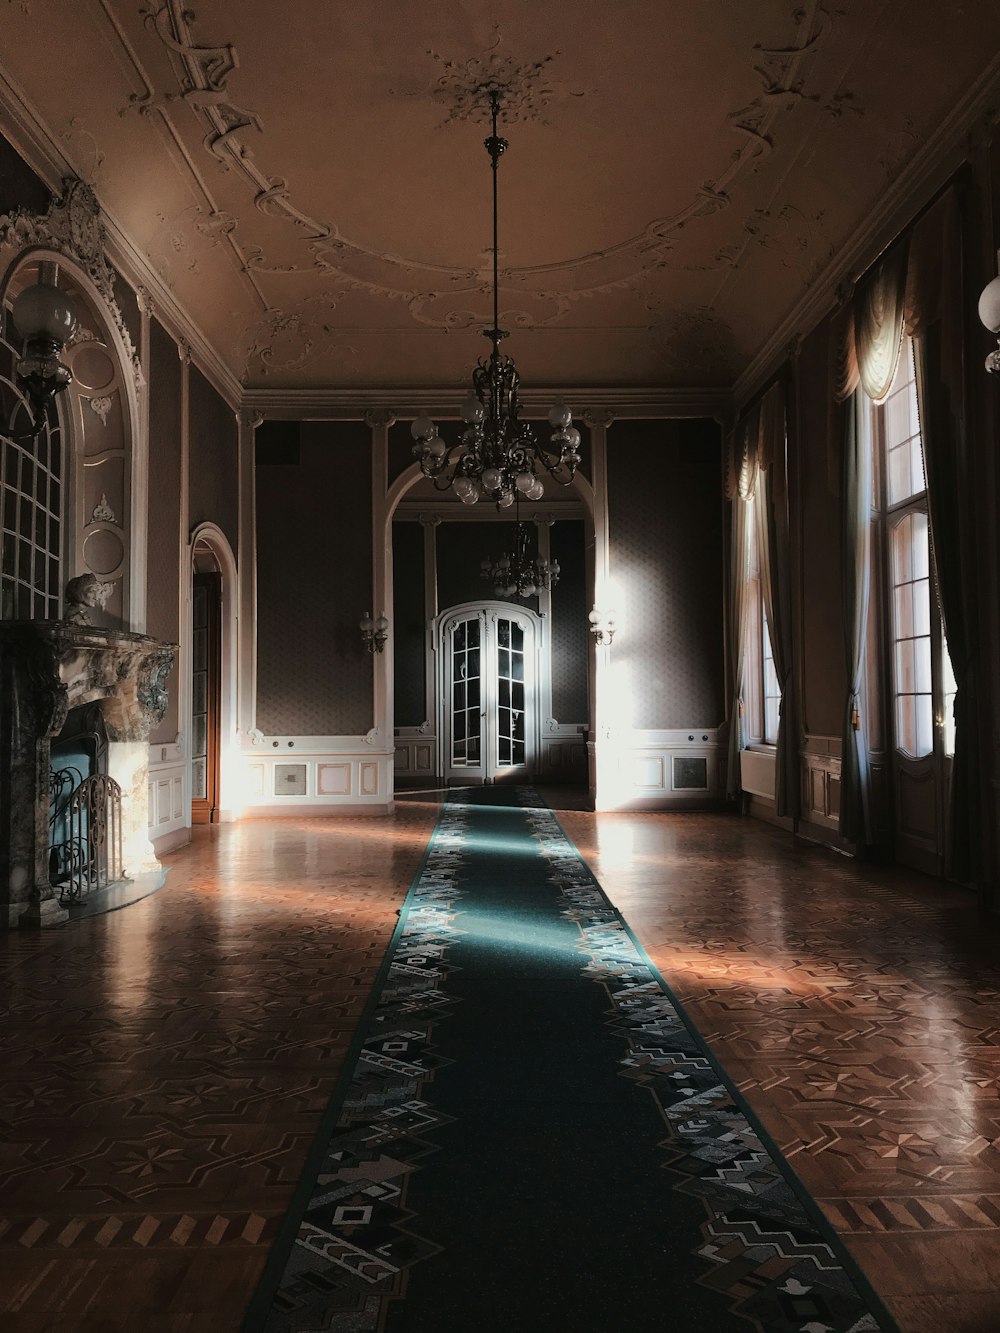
(602, 759)
(246, 560)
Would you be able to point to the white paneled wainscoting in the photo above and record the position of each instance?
(679, 769)
(819, 767)
(169, 805)
(316, 775)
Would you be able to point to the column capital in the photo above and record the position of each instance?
(379, 416)
(144, 300)
(249, 418)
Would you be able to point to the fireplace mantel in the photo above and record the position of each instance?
(48, 667)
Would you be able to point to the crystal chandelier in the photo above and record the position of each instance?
(497, 455)
(516, 573)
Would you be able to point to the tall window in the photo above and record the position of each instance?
(30, 505)
(761, 694)
(923, 684)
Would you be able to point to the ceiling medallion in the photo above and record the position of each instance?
(497, 455)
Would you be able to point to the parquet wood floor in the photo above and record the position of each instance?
(858, 1011)
(163, 1069)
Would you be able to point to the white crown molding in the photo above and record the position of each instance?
(352, 404)
(927, 172)
(27, 133)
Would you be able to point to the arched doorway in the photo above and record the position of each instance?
(489, 724)
(211, 678)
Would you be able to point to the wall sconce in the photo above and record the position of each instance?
(602, 625)
(374, 632)
(45, 319)
(989, 313)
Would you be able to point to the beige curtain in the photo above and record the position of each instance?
(873, 329)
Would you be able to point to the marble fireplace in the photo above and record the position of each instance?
(48, 668)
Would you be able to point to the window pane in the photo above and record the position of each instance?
(925, 724)
(921, 546)
(922, 665)
(906, 724)
(948, 692)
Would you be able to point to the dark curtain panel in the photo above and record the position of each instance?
(935, 320)
(774, 537)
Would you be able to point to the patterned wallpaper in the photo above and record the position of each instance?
(409, 623)
(665, 515)
(314, 541)
(824, 671)
(163, 519)
(19, 186)
(569, 623)
(214, 460)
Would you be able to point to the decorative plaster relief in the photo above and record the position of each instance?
(103, 513)
(101, 407)
(525, 88)
(73, 227)
(443, 296)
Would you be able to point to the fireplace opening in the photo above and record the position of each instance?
(85, 825)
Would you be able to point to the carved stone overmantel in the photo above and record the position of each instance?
(46, 669)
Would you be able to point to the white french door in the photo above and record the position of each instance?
(488, 693)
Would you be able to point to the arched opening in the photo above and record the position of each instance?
(435, 547)
(72, 497)
(211, 677)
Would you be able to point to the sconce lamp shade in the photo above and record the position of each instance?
(989, 305)
(42, 311)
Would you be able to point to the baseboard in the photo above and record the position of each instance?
(169, 842)
(826, 837)
(316, 810)
(761, 808)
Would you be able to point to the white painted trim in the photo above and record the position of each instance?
(247, 571)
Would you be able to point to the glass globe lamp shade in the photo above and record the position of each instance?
(473, 412)
(367, 624)
(536, 490)
(43, 312)
(506, 500)
(560, 416)
(491, 479)
(423, 428)
(382, 624)
(989, 305)
(523, 482)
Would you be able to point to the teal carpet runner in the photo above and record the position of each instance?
(530, 1135)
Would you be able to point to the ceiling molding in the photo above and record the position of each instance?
(352, 404)
(27, 133)
(927, 172)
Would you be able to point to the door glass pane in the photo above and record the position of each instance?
(465, 694)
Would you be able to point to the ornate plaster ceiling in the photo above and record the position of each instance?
(310, 180)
